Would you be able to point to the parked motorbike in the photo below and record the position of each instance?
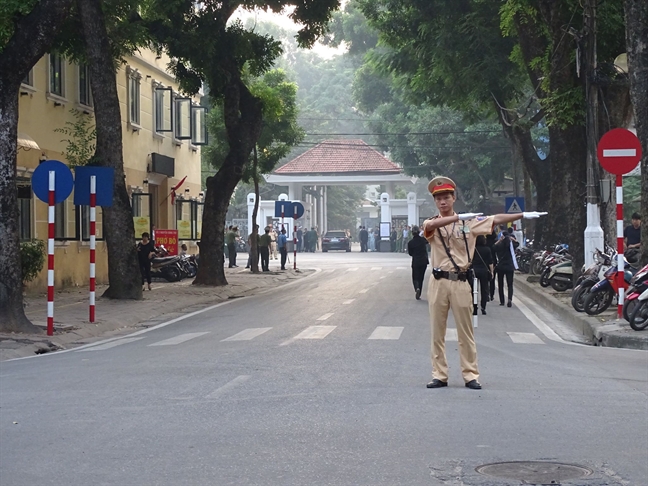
(602, 293)
(189, 265)
(550, 261)
(166, 267)
(588, 278)
(524, 258)
(638, 285)
(639, 316)
(560, 276)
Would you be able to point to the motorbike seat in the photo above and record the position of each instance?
(168, 259)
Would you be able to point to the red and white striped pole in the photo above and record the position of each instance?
(50, 252)
(620, 259)
(93, 228)
(295, 238)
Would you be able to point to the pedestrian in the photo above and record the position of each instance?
(452, 238)
(300, 239)
(252, 255)
(490, 242)
(312, 240)
(372, 241)
(482, 265)
(183, 249)
(364, 239)
(405, 237)
(376, 233)
(417, 249)
(230, 239)
(392, 240)
(273, 243)
(282, 243)
(506, 264)
(632, 238)
(145, 253)
(265, 241)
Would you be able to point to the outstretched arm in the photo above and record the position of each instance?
(509, 218)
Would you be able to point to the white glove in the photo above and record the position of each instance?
(467, 216)
(533, 214)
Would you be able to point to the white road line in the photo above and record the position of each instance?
(524, 338)
(384, 332)
(542, 327)
(228, 386)
(315, 332)
(376, 268)
(347, 302)
(390, 271)
(112, 344)
(325, 316)
(352, 269)
(363, 291)
(451, 334)
(382, 277)
(401, 268)
(247, 334)
(179, 339)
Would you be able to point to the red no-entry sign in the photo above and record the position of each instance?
(619, 151)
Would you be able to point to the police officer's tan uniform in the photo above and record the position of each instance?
(451, 293)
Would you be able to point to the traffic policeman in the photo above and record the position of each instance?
(452, 240)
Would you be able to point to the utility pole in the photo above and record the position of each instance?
(593, 233)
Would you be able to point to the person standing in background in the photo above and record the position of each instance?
(364, 239)
(632, 237)
(300, 240)
(417, 249)
(483, 267)
(145, 253)
(282, 242)
(230, 239)
(506, 265)
(265, 240)
(273, 243)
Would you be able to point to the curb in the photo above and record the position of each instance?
(615, 334)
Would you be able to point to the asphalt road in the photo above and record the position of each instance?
(323, 383)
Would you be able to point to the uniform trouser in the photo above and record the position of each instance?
(363, 246)
(484, 277)
(145, 270)
(264, 253)
(418, 275)
(273, 250)
(284, 256)
(443, 295)
(231, 248)
(509, 283)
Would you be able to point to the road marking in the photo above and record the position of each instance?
(352, 269)
(347, 302)
(619, 153)
(401, 268)
(247, 334)
(382, 277)
(363, 291)
(376, 268)
(325, 316)
(112, 344)
(315, 332)
(179, 339)
(524, 338)
(451, 334)
(391, 271)
(535, 320)
(385, 332)
(228, 386)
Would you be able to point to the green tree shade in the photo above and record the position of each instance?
(342, 203)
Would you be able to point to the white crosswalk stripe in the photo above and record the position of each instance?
(524, 338)
(354, 269)
(325, 316)
(179, 339)
(315, 332)
(384, 332)
(347, 302)
(247, 334)
(376, 268)
(363, 291)
(228, 386)
(451, 334)
(112, 344)
(401, 268)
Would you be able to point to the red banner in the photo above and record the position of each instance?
(167, 238)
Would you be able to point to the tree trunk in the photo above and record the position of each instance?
(32, 38)
(529, 224)
(243, 118)
(123, 269)
(254, 246)
(636, 16)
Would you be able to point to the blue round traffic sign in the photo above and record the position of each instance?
(63, 181)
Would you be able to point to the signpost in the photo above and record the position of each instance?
(514, 205)
(52, 183)
(298, 212)
(619, 152)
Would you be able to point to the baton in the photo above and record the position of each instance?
(475, 302)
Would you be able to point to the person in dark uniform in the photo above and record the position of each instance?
(490, 242)
(145, 252)
(506, 264)
(363, 235)
(264, 242)
(483, 267)
(417, 249)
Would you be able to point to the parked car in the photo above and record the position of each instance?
(336, 240)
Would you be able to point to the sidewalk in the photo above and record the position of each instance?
(119, 317)
(604, 329)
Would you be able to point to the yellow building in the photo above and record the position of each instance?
(162, 134)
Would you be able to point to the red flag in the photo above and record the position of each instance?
(175, 188)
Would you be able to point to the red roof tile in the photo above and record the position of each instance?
(340, 156)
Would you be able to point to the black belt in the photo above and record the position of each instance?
(438, 274)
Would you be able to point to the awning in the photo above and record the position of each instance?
(26, 142)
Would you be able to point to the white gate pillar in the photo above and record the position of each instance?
(250, 207)
(412, 209)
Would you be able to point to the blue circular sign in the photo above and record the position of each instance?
(63, 181)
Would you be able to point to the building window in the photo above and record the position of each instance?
(29, 79)
(134, 79)
(56, 75)
(163, 109)
(24, 212)
(85, 93)
(83, 213)
(64, 221)
(182, 128)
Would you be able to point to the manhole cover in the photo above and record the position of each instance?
(534, 472)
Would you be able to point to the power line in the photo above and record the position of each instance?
(458, 132)
(351, 146)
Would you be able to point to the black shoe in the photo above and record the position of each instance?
(283, 268)
(418, 294)
(473, 385)
(509, 304)
(501, 303)
(483, 312)
(437, 384)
